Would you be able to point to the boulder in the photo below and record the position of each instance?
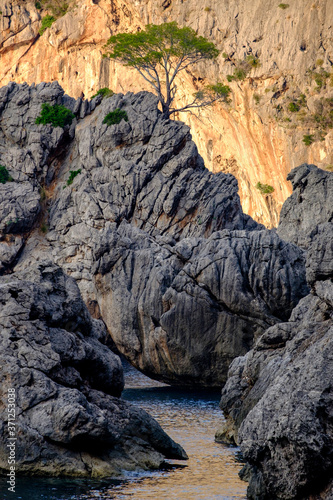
(69, 419)
(309, 205)
(180, 312)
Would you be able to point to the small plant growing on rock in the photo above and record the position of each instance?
(72, 175)
(115, 117)
(256, 98)
(4, 175)
(264, 188)
(253, 61)
(38, 5)
(47, 22)
(293, 107)
(284, 6)
(207, 9)
(56, 114)
(44, 227)
(104, 92)
(308, 139)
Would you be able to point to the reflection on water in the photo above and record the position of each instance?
(190, 418)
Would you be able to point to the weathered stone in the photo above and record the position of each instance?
(278, 397)
(181, 311)
(147, 172)
(53, 356)
(309, 205)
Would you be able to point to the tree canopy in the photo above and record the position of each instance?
(159, 53)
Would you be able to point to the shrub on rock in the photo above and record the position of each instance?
(56, 114)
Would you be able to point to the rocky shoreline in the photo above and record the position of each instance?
(147, 244)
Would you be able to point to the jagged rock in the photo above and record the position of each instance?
(53, 356)
(309, 205)
(9, 249)
(28, 151)
(182, 323)
(278, 397)
(180, 312)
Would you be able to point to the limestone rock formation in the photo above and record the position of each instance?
(278, 397)
(68, 420)
(158, 245)
(309, 205)
(257, 138)
(181, 311)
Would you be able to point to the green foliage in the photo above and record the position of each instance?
(320, 77)
(239, 74)
(4, 175)
(38, 5)
(264, 188)
(207, 9)
(256, 98)
(329, 167)
(293, 107)
(115, 117)
(211, 93)
(302, 100)
(47, 22)
(220, 89)
(225, 55)
(44, 227)
(159, 53)
(308, 139)
(284, 6)
(58, 115)
(148, 47)
(253, 61)
(72, 175)
(319, 62)
(104, 92)
(230, 78)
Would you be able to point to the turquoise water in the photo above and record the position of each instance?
(190, 418)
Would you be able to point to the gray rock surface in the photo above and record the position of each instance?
(278, 397)
(68, 420)
(180, 312)
(139, 230)
(309, 205)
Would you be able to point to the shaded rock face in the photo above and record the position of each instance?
(68, 420)
(158, 245)
(28, 151)
(278, 397)
(181, 311)
(308, 206)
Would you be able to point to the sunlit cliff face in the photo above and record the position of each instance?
(255, 137)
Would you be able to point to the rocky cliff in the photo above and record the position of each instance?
(159, 246)
(278, 398)
(162, 251)
(284, 98)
